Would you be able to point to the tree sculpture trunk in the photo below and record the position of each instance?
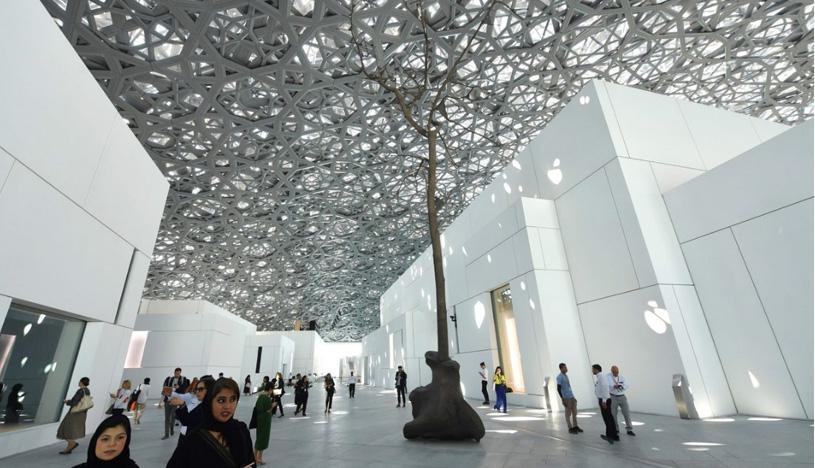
(439, 409)
(435, 241)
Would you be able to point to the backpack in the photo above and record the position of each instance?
(134, 397)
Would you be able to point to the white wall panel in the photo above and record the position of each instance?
(526, 247)
(564, 139)
(778, 251)
(78, 117)
(492, 232)
(719, 135)
(493, 269)
(595, 245)
(698, 352)
(6, 161)
(551, 245)
(563, 335)
(669, 177)
(131, 298)
(616, 333)
(128, 191)
(632, 224)
(63, 257)
(653, 127)
(767, 129)
(758, 379)
(665, 255)
(537, 213)
(774, 174)
(475, 324)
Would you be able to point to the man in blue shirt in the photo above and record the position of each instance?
(564, 389)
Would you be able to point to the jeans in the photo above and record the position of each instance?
(484, 392)
(329, 399)
(351, 389)
(501, 397)
(169, 418)
(400, 395)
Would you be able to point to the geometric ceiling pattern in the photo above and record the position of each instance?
(294, 184)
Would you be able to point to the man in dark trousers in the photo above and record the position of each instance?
(401, 387)
(171, 384)
(352, 385)
(484, 380)
(604, 399)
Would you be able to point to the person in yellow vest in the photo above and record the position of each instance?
(500, 381)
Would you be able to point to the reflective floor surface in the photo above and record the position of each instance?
(366, 432)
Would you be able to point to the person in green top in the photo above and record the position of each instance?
(263, 407)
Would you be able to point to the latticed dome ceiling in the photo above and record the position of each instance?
(294, 188)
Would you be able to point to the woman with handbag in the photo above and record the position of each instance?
(72, 426)
(263, 423)
(277, 392)
(221, 441)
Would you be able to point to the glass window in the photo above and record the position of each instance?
(509, 351)
(37, 355)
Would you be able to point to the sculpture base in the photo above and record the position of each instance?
(439, 409)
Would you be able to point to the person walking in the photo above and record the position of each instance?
(301, 394)
(278, 390)
(604, 400)
(171, 384)
(500, 381)
(617, 387)
(352, 385)
(72, 426)
(110, 445)
(13, 405)
(401, 387)
(482, 372)
(263, 412)
(121, 398)
(328, 384)
(247, 386)
(221, 441)
(564, 389)
(142, 393)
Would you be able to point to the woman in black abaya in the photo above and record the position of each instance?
(221, 441)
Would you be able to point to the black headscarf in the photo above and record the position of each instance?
(233, 431)
(123, 459)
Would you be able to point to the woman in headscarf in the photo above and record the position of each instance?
(221, 441)
(110, 445)
(263, 410)
(13, 405)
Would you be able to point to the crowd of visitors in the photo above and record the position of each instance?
(209, 435)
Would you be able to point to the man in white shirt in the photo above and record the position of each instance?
(484, 381)
(617, 386)
(604, 400)
(352, 385)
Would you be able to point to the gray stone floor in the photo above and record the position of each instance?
(366, 432)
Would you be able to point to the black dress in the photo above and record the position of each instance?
(201, 449)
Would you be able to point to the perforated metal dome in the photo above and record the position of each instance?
(294, 190)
